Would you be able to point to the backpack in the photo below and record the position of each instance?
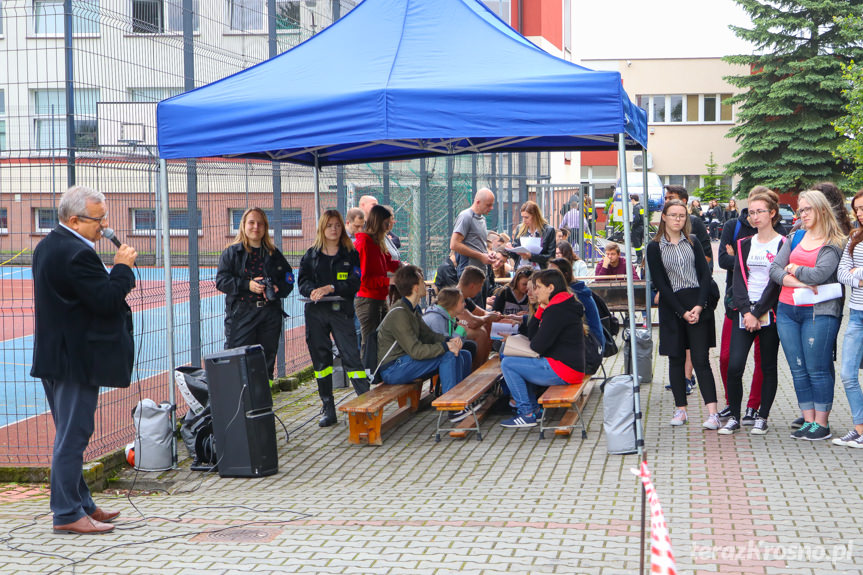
(593, 353)
(609, 322)
(729, 296)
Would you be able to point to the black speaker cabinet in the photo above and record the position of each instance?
(243, 422)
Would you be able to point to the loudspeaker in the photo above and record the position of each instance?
(244, 426)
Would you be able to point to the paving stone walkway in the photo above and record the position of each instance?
(511, 503)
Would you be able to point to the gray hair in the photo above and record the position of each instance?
(74, 202)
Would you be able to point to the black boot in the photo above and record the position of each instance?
(325, 391)
(329, 411)
(361, 385)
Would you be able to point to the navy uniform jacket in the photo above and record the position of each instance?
(83, 323)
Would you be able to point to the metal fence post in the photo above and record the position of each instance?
(192, 196)
(68, 57)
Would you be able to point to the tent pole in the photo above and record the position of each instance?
(633, 351)
(317, 189)
(169, 299)
(646, 273)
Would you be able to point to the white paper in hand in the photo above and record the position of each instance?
(500, 329)
(534, 245)
(805, 296)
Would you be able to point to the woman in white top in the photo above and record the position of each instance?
(755, 298)
(850, 273)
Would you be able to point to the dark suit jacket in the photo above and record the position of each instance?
(83, 323)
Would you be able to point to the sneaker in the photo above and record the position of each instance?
(520, 421)
(712, 422)
(858, 443)
(847, 439)
(679, 417)
(725, 413)
(750, 416)
(457, 416)
(817, 433)
(730, 427)
(804, 429)
(798, 423)
(759, 427)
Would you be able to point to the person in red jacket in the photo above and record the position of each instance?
(375, 261)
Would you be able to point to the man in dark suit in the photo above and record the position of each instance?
(83, 340)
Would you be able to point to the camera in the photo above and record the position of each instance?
(269, 288)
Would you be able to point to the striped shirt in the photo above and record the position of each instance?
(846, 264)
(679, 263)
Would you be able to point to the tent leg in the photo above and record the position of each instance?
(317, 189)
(630, 297)
(169, 298)
(647, 299)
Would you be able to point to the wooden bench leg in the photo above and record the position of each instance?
(412, 399)
(365, 426)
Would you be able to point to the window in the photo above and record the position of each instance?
(48, 17)
(145, 222)
(45, 219)
(152, 94)
(691, 183)
(160, 16)
(2, 121)
(246, 15)
(1, 17)
(501, 8)
(4, 221)
(292, 221)
(287, 15)
(50, 119)
(686, 109)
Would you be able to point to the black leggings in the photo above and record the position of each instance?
(699, 338)
(741, 342)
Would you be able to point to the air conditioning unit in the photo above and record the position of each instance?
(638, 160)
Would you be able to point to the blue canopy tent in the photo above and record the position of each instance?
(400, 79)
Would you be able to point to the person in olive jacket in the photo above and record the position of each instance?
(330, 277)
(255, 276)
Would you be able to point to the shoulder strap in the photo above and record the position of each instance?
(798, 237)
(737, 229)
(740, 259)
(377, 331)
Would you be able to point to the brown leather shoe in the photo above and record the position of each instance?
(84, 526)
(104, 516)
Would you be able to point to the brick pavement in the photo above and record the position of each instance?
(508, 504)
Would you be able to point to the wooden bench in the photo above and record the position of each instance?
(573, 398)
(465, 395)
(366, 413)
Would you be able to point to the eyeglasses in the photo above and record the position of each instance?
(758, 212)
(804, 211)
(675, 216)
(92, 219)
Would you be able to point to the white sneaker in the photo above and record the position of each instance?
(679, 417)
(712, 422)
(730, 426)
(759, 427)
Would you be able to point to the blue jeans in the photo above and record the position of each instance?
(852, 353)
(450, 368)
(519, 372)
(808, 343)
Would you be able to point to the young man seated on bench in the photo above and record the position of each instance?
(418, 351)
(478, 321)
(557, 336)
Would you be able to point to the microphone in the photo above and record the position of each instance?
(109, 234)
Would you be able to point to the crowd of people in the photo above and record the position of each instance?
(782, 286)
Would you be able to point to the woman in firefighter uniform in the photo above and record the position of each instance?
(255, 276)
(330, 277)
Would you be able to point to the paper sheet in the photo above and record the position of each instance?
(499, 329)
(804, 296)
(534, 245)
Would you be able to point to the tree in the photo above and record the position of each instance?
(850, 126)
(793, 93)
(713, 189)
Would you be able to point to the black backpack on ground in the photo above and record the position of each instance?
(610, 326)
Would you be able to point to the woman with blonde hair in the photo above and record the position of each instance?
(533, 225)
(808, 332)
(375, 262)
(255, 276)
(330, 277)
